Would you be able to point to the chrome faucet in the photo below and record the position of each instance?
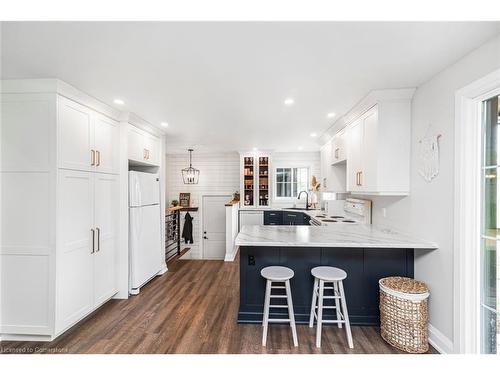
(307, 198)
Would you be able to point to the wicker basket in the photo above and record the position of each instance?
(403, 313)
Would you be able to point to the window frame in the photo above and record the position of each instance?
(275, 178)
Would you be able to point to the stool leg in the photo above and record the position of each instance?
(290, 312)
(346, 315)
(337, 303)
(313, 303)
(267, 302)
(320, 313)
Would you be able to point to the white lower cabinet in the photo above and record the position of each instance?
(88, 219)
(106, 226)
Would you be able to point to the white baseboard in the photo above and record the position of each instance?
(231, 256)
(439, 341)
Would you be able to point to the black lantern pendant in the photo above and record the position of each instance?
(190, 175)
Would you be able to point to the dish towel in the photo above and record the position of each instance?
(429, 158)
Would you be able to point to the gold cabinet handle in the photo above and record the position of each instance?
(98, 231)
(336, 153)
(92, 157)
(93, 241)
(360, 180)
(98, 158)
(145, 154)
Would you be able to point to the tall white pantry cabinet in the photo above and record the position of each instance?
(59, 211)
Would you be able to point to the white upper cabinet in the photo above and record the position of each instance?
(106, 144)
(339, 152)
(143, 147)
(88, 141)
(378, 144)
(152, 148)
(333, 174)
(75, 136)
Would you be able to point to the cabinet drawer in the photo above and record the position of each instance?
(273, 218)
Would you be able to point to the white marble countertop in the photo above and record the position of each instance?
(338, 235)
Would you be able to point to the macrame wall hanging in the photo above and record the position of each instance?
(428, 155)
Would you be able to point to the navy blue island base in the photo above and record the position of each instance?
(364, 268)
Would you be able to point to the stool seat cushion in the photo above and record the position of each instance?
(327, 273)
(277, 273)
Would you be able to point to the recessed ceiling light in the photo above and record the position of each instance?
(119, 101)
(313, 135)
(300, 148)
(289, 101)
(331, 115)
(255, 148)
(164, 124)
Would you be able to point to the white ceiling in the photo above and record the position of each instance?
(221, 86)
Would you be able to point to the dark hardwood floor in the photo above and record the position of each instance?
(193, 309)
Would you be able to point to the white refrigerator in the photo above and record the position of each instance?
(145, 250)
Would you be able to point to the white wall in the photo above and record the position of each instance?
(428, 211)
(310, 160)
(219, 175)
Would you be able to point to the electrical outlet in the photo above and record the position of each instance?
(251, 260)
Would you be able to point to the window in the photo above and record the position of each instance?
(489, 309)
(291, 181)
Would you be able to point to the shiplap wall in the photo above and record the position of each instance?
(219, 175)
(310, 160)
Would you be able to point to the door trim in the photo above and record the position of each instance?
(467, 211)
(202, 217)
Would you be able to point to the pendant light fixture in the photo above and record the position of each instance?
(190, 175)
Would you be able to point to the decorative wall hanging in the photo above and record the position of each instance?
(190, 175)
(185, 200)
(428, 156)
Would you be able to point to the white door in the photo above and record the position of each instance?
(76, 239)
(152, 147)
(354, 166)
(145, 244)
(75, 136)
(136, 144)
(106, 218)
(106, 144)
(368, 178)
(214, 226)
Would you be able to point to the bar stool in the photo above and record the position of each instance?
(323, 275)
(278, 274)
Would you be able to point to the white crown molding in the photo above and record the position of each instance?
(53, 85)
(374, 97)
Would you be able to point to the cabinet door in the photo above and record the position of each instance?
(106, 144)
(251, 218)
(354, 155)
(152, 148)
(75, 135)
(368, 177)
(106, 217)
(75, 240)
(136, 149)
(326, 165)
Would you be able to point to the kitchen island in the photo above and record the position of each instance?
(366, 252)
